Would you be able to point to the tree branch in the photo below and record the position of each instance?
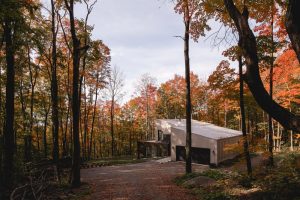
(247, 43)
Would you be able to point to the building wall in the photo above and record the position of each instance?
(229, 148)
(178, 138)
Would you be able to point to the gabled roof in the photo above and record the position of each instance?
(199, 128)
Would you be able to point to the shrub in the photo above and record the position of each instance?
(214, 174)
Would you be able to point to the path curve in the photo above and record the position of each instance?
(149, 180)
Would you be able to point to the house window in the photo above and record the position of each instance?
(159, 135)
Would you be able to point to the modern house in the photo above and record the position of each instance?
(211, 144)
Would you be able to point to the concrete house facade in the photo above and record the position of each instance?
(211, 144)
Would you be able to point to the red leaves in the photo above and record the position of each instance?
(287, 79)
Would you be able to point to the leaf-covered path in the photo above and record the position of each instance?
(143, 181)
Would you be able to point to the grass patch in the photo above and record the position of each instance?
(213, 173)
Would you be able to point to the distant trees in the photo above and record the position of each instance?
(171, 98)
(222, 85)
(146, 91)
(114, 93)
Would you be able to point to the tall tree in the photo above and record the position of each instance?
(271, 162)
(76, 49)
(188, 146)
(7, 8)
(195, 25)
(114, 89)
(54, 87)
(146, 90)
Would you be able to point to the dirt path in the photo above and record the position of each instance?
(144, 181)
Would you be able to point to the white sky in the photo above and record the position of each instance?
(140, 34)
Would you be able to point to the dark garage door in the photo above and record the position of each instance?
(199, 155)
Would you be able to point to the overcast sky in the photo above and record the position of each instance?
(140, 34)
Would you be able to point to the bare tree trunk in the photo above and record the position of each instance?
(27, 137)
(130, 138)
(271, 159)
(67, 124)
(1, 124)
(45, 132)
(54, 90)
(292, 147)
(93, 118)
(85, 121)
(8, 146)
(75, 97)
(278, 137)
(242, 107)
(38, 137)
(225, 114)
(112, 115)
(65, 139)
(32, 84)
(188, 147)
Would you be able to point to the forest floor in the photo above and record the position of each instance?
(149, 180)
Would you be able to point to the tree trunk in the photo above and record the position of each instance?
(188, 147)
(242, 107)
(27, 136)
(292, 146)
(8, 151)
(32, 84)
(271, 146)
(75, 97)
(247, 42)
(54, 90)
(85, 121)
(112, 109)
(38, 137)
(93, 119)
(1, 125)
(45, 133)
(67, 124)
(225, 114)
(65, 140)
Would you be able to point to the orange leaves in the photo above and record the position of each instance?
(223, 78)
(171, 96)
(286, 79)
